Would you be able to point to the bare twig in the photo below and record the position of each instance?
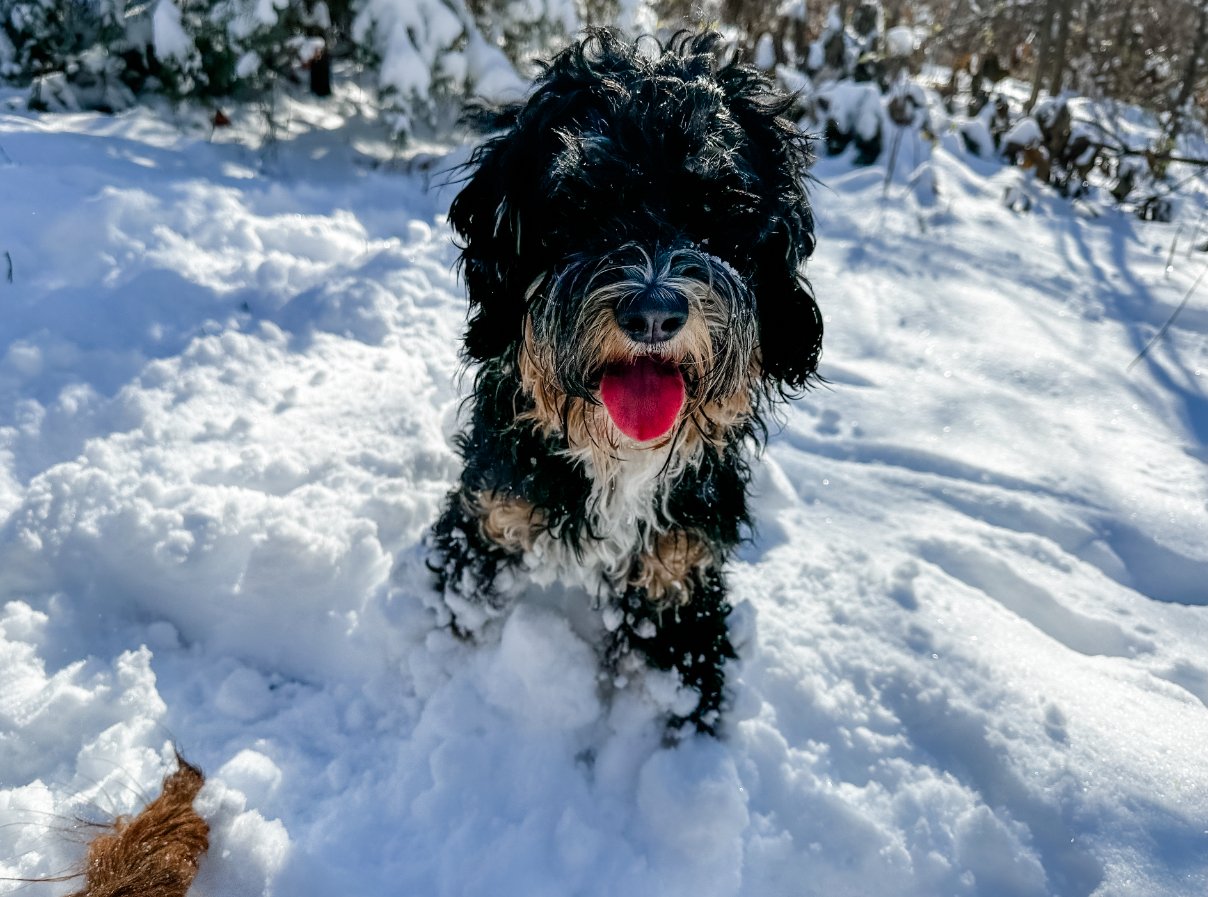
(1162, 332)
(1117, 146)
(1157, 157)
(1195, 234)
(1113, 116)
(1174, 243)
(893, 160)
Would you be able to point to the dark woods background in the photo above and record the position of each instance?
(1105, 95)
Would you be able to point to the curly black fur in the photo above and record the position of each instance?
(623, 161)
(613, 148)
(692, 640)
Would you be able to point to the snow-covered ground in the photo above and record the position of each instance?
(976, 606)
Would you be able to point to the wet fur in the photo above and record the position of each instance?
(156, 853)
(630, 168)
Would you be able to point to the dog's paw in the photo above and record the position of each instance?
(473, 581)
(679, 654)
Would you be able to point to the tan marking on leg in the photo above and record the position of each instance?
(665, 571)
(511, 523)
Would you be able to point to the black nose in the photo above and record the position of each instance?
(654, 315)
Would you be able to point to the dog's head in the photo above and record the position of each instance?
(634, 236)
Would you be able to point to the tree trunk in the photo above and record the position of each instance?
(1191, 72)
(1124, 48)
(1045, 52)
(1059, 52)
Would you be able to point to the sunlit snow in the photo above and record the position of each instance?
(974, 616)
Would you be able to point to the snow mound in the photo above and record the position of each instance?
(543, 673)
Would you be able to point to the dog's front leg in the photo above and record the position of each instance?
(473, 548)
(672, 610)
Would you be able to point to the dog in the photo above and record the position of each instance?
(632, 240)
(632, 244)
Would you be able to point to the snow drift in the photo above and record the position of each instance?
(974, 621)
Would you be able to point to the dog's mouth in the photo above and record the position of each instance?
(643, 396)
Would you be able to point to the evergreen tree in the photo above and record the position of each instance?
(205, 49)
(430, 55)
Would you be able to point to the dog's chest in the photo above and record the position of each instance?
(624, 511)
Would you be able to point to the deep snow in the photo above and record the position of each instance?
(975, 615)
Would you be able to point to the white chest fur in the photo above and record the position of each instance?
(625, 510)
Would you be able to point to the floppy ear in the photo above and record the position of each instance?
(790, 325)
(790, 333)
(777, 158)
(486, 216)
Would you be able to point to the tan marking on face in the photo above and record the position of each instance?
(539, 384)
(711, 423)
(599, 340)
(582, 423)
(510, 522)
(665, 571)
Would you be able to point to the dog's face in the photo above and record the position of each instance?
(633, 240)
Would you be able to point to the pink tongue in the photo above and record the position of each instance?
(643, 397)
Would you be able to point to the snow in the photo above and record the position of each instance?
(1025, 132)
(267, 12)
(977, 133)
(973, 625)
(765, 53)
(416, 40)
(168, 34)
(411, 37)
(855, 107)
(900, 40)
(636, 17)
(493, 76)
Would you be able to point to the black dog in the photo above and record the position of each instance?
(633, 243)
